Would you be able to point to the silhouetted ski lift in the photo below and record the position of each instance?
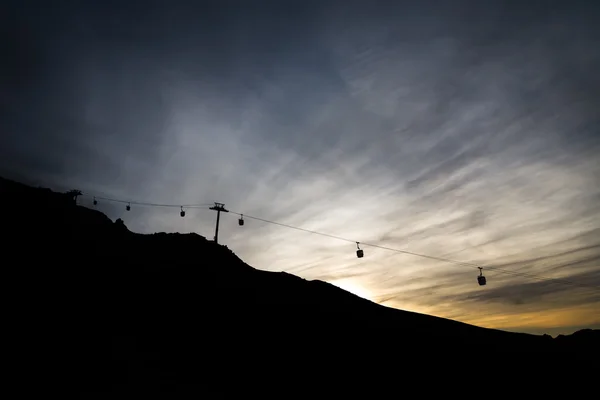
(95, 201)
(481, 279)
(359, 252)
(182, 213)
(241, 220)
(128, 206)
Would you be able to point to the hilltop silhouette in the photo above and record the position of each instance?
(122, 308)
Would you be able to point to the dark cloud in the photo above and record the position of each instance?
(593, 249)
(534, 291)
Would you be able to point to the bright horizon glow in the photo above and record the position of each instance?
(353, 286)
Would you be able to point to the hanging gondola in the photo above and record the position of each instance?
(241, 220)
(95, 201)
(182, 213)
(128, 207)
(481, 279)
(359, 252)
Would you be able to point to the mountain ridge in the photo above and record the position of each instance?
(179, 297)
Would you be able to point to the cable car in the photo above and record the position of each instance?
(359, 252)
(95, 202)
(241, 220)
(182, 213)
(481, 279)
(128, 206)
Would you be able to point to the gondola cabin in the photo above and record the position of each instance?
(359, 252)
(481, 279)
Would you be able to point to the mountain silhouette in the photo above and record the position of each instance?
(109, 307)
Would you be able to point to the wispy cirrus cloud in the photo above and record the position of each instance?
(439, 131)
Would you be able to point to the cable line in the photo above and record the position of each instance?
(359, 252)
(436, 258)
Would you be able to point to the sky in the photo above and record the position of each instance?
(466, 130)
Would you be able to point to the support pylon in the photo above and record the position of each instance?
(218, 207)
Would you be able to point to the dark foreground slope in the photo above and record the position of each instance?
(113, 307)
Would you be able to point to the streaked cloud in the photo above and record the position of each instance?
(436, 132)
